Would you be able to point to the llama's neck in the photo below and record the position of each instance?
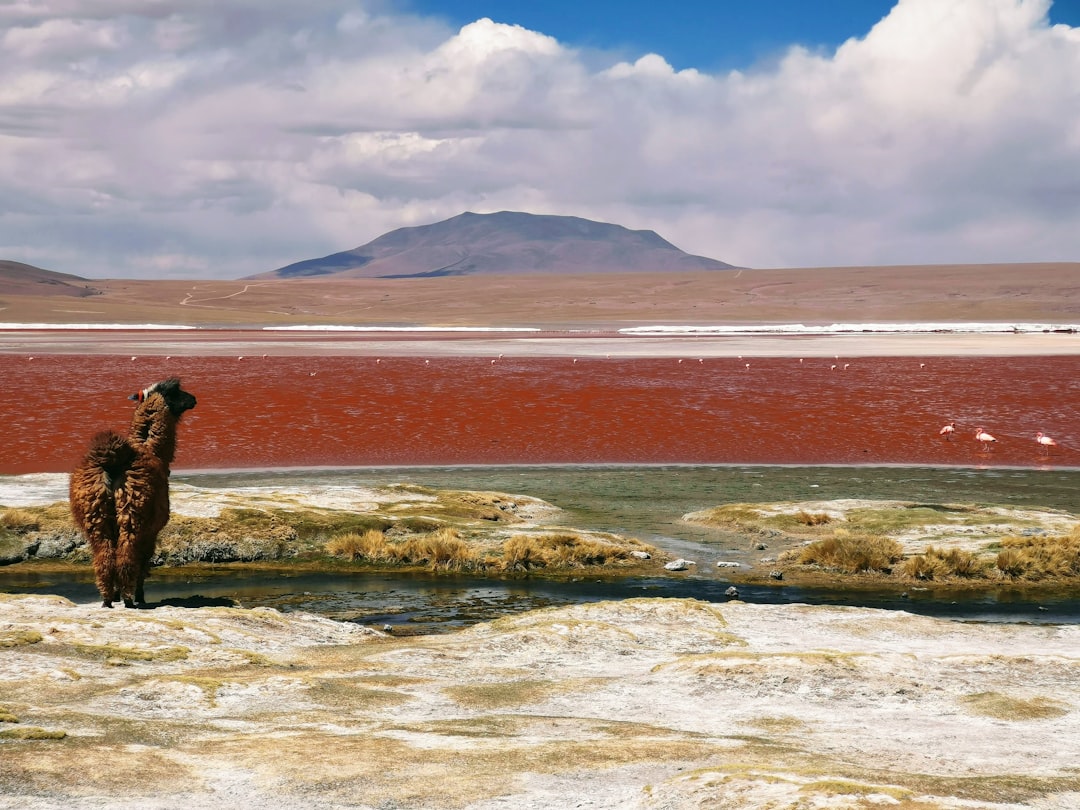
(154, 426)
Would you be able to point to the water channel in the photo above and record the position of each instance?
(646, 502)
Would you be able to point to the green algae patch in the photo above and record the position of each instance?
(31, 733)
(88, 767)
(353, 694)
(844, 787)
(118, 654)
(461, 762)
(504, 694)
(779, 724)
(19, 638)
(1003, 707)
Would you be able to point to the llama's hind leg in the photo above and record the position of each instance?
(127, 569)
(104, 553)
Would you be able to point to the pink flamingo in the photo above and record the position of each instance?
(948, 431)
(984, 437)
(1045, 442)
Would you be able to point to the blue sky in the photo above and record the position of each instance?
(181, 139)
(718, 35)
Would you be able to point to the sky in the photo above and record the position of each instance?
(707, 36)
(221, 138)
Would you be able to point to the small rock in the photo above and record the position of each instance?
(679, 564)
(723, 564)
(16, 549)
(761, 546)
(641, 555)
(57, 544)
(776, 574)
(733, 592)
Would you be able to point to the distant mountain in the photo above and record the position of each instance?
(507, 242)
(17, 278)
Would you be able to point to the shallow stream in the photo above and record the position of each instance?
(642, 502)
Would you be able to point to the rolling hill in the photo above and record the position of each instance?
(506, 243)
(17, 278)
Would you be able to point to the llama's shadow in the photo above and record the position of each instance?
(193, 602)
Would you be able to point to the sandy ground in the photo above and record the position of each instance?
(1046, 292)
(646, 703)
(578, 313)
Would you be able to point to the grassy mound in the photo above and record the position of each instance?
(445, 549)
(911, 541)
(391, 527)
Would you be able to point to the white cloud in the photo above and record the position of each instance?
(61, 38)
(650, 66)
(227, 137)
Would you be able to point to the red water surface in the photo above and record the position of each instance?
(287, 411)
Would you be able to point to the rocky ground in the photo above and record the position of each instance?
(639, 704)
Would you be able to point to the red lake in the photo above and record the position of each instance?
(321, 410)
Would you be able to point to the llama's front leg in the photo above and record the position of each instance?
(126, 594)
(145, 559)
(127, 590)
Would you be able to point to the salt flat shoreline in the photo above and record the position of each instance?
(653, 704)
(599, 343)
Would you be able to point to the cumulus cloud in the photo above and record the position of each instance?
(203, 138)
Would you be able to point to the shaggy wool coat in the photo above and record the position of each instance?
(119, 496)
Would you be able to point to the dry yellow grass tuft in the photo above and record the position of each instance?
(853, 554)
(19, 520)
(1040, 556)
(812, 518)
(446, 550)
(442, 549)
(523, 552)
(936, 563)
(353, 546)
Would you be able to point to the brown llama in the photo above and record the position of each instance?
(120, 492)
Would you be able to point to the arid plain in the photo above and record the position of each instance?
(1046, 292)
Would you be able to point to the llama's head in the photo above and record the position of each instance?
(176, 398)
